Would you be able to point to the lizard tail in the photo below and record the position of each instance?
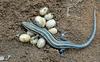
(92, 34)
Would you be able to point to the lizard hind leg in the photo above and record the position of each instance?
(61, 51)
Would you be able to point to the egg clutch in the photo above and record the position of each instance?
(44, 20)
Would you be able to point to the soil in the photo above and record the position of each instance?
(73, 16)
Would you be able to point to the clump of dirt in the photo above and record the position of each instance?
(73, 16)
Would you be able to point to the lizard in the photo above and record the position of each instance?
(61, 44)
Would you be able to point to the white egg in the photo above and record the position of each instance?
(30, 33)
(51, 23)
(43, 11)
(53, 30)
(24, 38)
(40, 21)
(33, 40)
(48, 16)
(41, 43)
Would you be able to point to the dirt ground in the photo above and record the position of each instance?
(77, 20)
